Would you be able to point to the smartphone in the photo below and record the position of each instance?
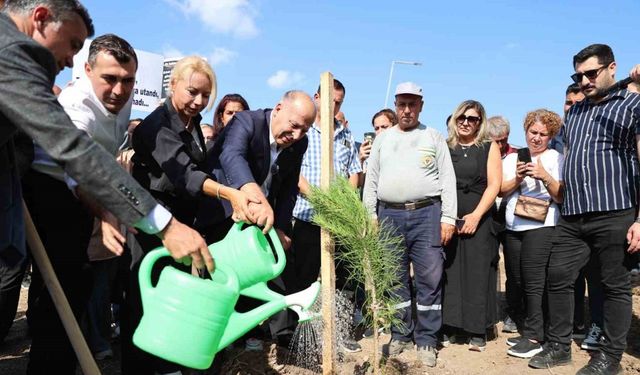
(369, 137)
(459, 223)
(524, 155)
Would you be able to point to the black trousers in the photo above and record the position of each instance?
(600, 235)
(12, 268)
(532, 248)
(514, 293)
(65, 227)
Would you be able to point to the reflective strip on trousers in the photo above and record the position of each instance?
(428, 308)
(402, 305)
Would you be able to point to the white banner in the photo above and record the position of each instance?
(146, 92)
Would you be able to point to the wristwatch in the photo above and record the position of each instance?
(638, 220)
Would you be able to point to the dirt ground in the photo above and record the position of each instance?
(456, 359)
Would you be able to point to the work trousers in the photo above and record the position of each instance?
(420, 230)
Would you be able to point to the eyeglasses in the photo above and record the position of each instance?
(590, 74)
(471, 120)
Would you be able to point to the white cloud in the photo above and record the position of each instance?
(235, 17)
(284, 78)
(221, 56)
(170, 51)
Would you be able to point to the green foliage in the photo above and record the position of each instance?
(369, 250)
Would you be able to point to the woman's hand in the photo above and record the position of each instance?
(537, 171)
(470, 224)
(365, 150)
(521, 171)
(240, 201)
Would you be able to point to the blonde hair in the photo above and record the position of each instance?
(185, 67)
(481, 136)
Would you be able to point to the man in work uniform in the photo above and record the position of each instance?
(411, 186)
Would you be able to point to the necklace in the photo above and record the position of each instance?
(465, 150)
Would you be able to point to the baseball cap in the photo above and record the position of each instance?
(409, 88)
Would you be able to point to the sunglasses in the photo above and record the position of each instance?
(590, 74)
(471, 120)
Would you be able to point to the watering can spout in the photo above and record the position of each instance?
(241, 323)
(299, 302)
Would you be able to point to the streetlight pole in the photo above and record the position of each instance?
(415, 63)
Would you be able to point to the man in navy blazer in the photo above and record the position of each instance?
(260, 152)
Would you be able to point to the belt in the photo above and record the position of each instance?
(421, 203)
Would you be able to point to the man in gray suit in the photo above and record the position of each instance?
(37, 40)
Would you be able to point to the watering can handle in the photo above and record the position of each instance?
(279, 266)
(144, 274)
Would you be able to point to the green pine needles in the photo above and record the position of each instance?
(370, 251)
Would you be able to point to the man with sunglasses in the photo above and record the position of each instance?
(599, 210)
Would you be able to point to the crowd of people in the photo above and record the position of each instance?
(563, 209)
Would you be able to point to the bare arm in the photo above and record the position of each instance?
(494, 180)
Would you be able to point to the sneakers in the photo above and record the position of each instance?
(102, 355)
(350, 346)
(509, 326)
(592, 342)
(478, 344)
(599, 364)
(552, 354)
(525, 349)
(395, 347)
(369, 331)
(579, 332)
(427, 355)
(513, 341)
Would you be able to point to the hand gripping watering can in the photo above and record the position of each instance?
(247, 252)
(187, 320)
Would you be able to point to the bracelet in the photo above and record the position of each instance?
(218, 192)
(638, 220)
(546, 183)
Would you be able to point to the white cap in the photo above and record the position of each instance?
(408, 88)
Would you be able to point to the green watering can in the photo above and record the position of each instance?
(187, 320)
(246, 251)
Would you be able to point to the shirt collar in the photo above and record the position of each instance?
(618, 94)
(337, 126)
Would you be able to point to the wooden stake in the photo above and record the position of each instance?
(327, 272)
(85, 358)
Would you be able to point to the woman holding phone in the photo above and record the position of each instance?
(534, 172)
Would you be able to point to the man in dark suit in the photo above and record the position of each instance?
(37, 40)
(260, 152)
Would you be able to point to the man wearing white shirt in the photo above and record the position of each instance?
(94, 105)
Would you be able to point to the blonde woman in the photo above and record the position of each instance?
(169, 161)
(469, 301)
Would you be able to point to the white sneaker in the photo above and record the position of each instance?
(592, 342)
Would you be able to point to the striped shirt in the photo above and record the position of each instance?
(345, 164)
(601, 164)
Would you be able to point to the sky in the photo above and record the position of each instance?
(512, 56)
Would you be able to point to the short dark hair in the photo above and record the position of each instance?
(217, 114)
(572, 89)
(115, 46)
(337, 85)
(602, 51)
(61, 9)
